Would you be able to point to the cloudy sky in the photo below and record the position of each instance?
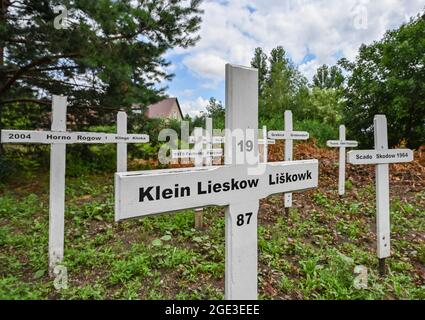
(313, 32)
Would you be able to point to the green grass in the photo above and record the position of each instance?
(310, 254)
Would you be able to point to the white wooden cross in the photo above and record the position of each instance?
(342, 144)
(381, 157)
(58, 138)
(289, 136)
(237, 185)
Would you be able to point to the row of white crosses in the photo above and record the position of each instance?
(58, 138)
(238, 187)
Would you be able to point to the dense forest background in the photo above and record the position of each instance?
(111, 56)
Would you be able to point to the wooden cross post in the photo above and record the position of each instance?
(238, 185)
(342, 144)
(57, 185)
(58, 138)
(289, 136)
(381, 157)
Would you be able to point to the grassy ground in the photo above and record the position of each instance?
(310, 254)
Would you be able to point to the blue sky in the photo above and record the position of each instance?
(313, 32)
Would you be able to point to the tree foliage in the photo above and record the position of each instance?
(328, 77)
(388, 77)
(282, 87)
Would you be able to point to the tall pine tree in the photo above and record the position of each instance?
(109, 55)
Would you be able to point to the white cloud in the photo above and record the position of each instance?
(194, 107)
(205, 65)
(325, 28)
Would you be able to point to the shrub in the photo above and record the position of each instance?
(320, 131)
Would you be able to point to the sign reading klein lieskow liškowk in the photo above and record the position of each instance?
(51, 137)
(380, 157)
(160, 191)
(292, 135)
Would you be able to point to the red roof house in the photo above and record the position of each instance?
(165, 109)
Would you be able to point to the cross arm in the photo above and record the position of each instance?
(161, 191)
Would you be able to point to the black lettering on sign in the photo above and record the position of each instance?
(241, 219)
(233, 185)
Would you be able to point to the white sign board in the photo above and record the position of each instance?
(289, 136)
(58, 138)
(52, 137)
(178, 154)
(342, 144)
(266, 142)
(381, 157)
(215, 140)
(284, 135)
(221, 140)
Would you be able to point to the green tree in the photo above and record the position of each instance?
(388, 77)
(109, 57)
(328, 77)
(216, 111)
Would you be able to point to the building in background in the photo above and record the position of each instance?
(165, 109)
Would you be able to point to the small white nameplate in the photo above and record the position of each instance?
(380, 157)
(51, 137)
(220, 140)
(129, 138)
(215, 140)
(284, 135)
(338, 144)
(178, 154)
